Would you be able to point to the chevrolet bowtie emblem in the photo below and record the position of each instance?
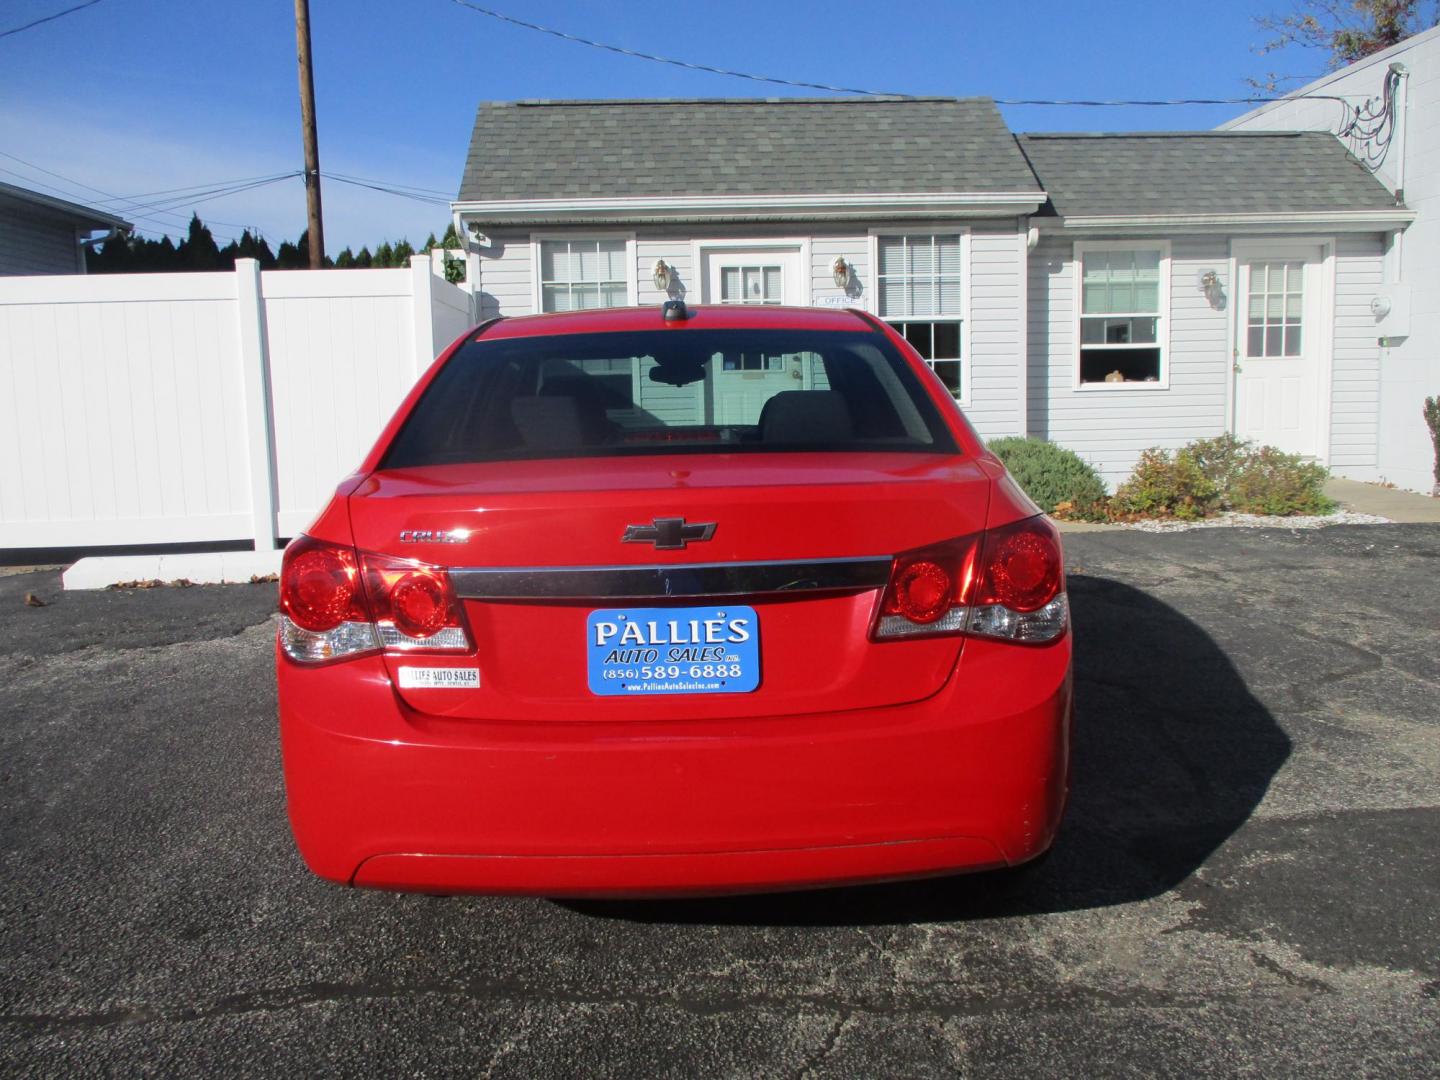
(668, 533)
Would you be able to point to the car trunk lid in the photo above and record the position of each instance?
(536, 549)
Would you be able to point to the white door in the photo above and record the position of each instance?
(743, 382)
(1277, 361)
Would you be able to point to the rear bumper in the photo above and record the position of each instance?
(971, 778)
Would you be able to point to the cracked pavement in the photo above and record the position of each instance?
(1247, 881)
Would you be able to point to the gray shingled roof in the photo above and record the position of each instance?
(741, 146)
(84, 216)
(1218, 172)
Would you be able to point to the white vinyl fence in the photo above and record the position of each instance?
(168, 408)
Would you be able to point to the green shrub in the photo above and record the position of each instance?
(1270, 481)
(1221, 459)
(1058, 480)
(1223, 473)
(1166, 485)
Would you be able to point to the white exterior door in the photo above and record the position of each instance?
(1278, 359)
(752, 276)
(744, 382)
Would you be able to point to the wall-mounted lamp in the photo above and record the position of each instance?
(662, 275)
(1210, 286)
(841, 270)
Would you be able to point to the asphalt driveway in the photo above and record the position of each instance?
(1248, 878)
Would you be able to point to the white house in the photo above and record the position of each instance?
(1106, 292)
(40, 234)
(1386, 108)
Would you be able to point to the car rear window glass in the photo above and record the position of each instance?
(669, 391)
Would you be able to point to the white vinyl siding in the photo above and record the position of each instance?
(1355, 394)
(995, 331)
(504, 280)
(1379, 386)
(855, 250)
(676, 255)
(1109, 429)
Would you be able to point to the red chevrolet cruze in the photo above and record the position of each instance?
(644, 602)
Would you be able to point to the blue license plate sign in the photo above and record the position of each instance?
(699, 650)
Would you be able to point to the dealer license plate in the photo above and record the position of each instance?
(699, 650)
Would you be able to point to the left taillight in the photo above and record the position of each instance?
(335, 604)
(413, 605)
(1006, 583)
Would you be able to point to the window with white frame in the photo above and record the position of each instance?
(1276, 306)
(583, 273)
(919, 285)
(1122, 321)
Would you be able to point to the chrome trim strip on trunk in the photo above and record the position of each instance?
(659, 582)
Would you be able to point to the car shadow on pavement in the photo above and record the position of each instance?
(1171, 755)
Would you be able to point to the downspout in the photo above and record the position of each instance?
(472, 264)
(1027, 238)
(1400, 135)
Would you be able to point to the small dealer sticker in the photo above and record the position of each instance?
(439, 678)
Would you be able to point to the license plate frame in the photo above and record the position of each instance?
(645, 652)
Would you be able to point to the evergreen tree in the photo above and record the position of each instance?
(454, 263)
(345, 260)
(402, 253)
(364, 259)
(112, 257)
(198, 250)
(289, 257)
(162, 257)
(430, 244)
(255, 247)
(384, 256)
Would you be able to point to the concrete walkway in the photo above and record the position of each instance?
(1400, 506)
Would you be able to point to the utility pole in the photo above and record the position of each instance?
(307, 131)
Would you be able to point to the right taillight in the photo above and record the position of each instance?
(334, 604)
(1007, 583)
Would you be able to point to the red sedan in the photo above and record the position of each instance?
(634, 602)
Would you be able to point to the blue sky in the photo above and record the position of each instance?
(137, 96)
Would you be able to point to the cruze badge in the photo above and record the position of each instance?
(434, 536)
(668, 533)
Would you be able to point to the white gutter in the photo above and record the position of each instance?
(1342, 220)
(698, 207)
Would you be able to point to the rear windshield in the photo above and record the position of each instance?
(669, 391)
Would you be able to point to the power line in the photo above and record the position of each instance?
(867, 92)
(218, 192)
(563, 36)
(48, 18)
(171, 191)
(132, 200)
(68, 194)
(433, 200)
(393, 184)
